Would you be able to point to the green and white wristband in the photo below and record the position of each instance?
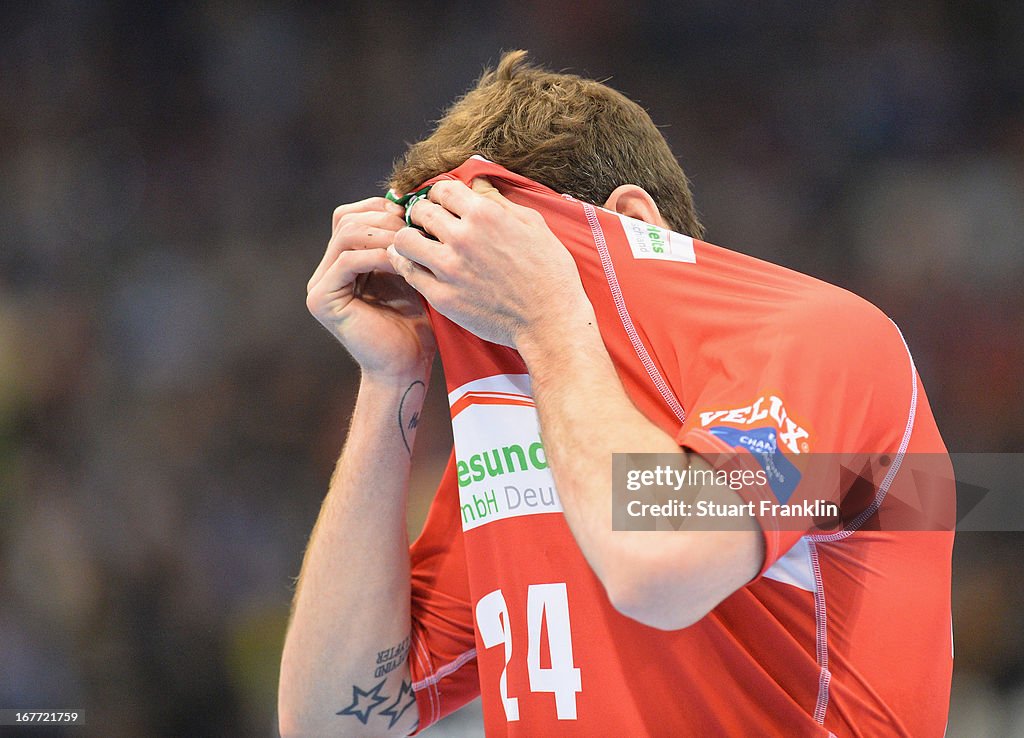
(407, 201)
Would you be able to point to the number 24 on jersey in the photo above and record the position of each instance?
(545, 604)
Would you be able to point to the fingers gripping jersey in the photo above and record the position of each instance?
(844, 632)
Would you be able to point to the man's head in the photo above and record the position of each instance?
(572, 134)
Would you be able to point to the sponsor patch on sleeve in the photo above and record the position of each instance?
(648, 241)
(763, 445)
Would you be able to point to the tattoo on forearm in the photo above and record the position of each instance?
(365, 701)
(391, 658)
(408, 424)
(402, 702)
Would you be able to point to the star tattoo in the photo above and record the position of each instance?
(405, 699)
(369, 700)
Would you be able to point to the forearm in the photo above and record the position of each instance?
(665, 580)
(350, 618)
(585, 418)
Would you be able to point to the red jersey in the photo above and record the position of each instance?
(845, 633)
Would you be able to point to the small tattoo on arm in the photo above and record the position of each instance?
(365, 701)
(391, 658)
(403, 701)
(409, 424)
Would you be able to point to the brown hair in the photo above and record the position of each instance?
(575, 135)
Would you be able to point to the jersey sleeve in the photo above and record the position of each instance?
(442, 654)
(807, 403)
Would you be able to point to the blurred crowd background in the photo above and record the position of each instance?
(169, 412)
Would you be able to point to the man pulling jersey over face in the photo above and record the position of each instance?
(569, 333)
(708, 352)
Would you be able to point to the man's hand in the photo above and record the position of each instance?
(384, 325)
(498, 270)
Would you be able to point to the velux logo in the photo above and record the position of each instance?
(766, 407)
